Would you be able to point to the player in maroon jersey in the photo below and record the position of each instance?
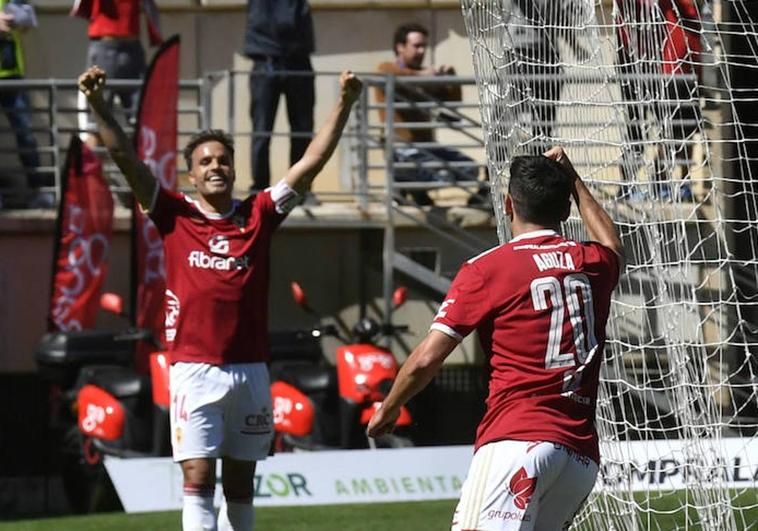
(540, 304)
(217, 266)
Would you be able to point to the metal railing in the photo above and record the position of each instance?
(457, 120)
(57, 111)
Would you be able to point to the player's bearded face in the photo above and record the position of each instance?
(212, 169)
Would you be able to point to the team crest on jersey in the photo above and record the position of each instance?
(522, 487)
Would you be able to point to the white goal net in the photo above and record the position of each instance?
(656, 103)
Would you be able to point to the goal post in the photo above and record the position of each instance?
(655, 102)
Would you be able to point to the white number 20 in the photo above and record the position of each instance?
(584, 340)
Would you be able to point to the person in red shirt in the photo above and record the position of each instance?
(540, 304)
(658, 57)
(113, 29)
(217, 266)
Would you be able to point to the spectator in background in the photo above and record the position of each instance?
(17, 16)
(279, 38)
(409, 44)
(534, 31)
(658, 50)
(115, 47)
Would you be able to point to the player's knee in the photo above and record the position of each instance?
(199, 472)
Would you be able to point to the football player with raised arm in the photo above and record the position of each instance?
(540, 304)
(217, 268)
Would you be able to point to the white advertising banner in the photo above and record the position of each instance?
(674, 464)
(309, 478)
(432, 473)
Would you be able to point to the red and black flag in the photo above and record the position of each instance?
(156, 146)
(82, 243)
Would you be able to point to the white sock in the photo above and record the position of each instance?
(236, 516)
(198, 513)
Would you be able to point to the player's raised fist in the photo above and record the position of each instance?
(351, 86)
(92, 81)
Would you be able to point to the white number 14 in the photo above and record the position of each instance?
(584, 341)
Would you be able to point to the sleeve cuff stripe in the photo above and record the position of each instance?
(447, 331)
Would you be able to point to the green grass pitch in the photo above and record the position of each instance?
(417, 516)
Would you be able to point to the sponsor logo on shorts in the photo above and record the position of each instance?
(258, 423)
(522, 487)
(508, 515)
(576, 456)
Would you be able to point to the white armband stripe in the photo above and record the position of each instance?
(447, 331)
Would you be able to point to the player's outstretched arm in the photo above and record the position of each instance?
(600, 226)
(415, 374)
(141, 181)
(324, 143)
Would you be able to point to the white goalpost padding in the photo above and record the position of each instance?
(652, 101)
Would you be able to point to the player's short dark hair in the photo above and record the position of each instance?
(206, 136)
(540, 189)
(402, 31)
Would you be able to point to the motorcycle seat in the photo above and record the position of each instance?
(310, 378)
(287, 346)
(118, 381)
(86, 347)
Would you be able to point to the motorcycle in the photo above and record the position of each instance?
(317, 406)
(100, 405)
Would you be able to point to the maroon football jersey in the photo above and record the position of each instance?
(540, 304)
(217, 269)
